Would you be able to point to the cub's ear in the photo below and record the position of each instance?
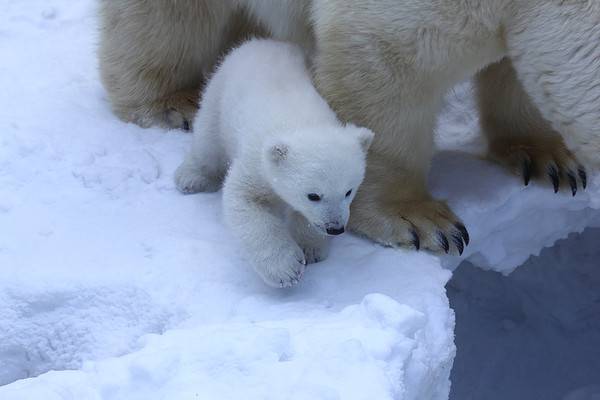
(365, 136)
(277, 152)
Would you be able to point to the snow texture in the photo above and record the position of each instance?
(115, 286)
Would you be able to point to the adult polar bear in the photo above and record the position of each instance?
(386, 64)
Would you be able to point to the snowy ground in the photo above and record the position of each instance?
(115, 286)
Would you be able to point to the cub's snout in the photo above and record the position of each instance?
(334, 229)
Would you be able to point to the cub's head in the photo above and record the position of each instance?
(317, 172)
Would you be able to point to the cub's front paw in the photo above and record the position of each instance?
(315, 252)
(283, 269)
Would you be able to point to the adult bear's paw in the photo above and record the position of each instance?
(544, 158)
(420, 224)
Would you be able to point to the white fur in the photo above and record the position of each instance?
(386, 65)
(264, 125)
(287, 20)
(555, 47)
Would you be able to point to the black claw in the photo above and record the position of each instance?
(572, 182)
(463, 232)
(458, 242)
(415, 239)
(582, 176)
(526, 171)
(443, 242)
(553, 174)
(186, 125)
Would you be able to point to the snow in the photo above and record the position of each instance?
(115, 286)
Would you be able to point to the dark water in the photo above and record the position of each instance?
(534, 334)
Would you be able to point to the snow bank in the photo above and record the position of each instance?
(115, 286)
(326, 354)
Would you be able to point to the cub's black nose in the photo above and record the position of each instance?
(335, 231)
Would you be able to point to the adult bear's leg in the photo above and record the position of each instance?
(398, 102)
(555, 50)
(154, 55)
(518, 136)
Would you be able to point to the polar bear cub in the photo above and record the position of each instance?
(290, 168)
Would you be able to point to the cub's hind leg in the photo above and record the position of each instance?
(205, 164)
(518, 136)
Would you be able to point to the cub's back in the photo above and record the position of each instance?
(263, 69)
(266, 89)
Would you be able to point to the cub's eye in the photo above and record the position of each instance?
(349, 192)
(313, 197)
